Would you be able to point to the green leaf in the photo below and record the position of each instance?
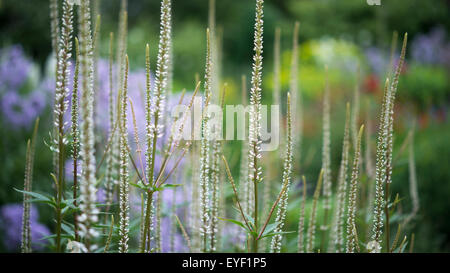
(236, 222)
(39, 198)
(165, 186)
(270, 228)
(276, 233)
(139, 185)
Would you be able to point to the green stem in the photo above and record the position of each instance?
(147, 220)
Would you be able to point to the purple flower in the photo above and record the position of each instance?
(377, 60)
(11, 224)
(431, 48)
(14, 68)
(16, 110)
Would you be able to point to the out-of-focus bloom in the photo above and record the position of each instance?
(431, 48)
(21, 112)
(11, 222)
(20, 107)
(14, 67)
(378, 61)
(371, 83)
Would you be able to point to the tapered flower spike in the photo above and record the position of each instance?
(337, 234)
(110, 172)
(155, 129)
(390, 137)
(301, 220)
(245, 192)
(54, 25)
(282, 206)
(26, 228)
(123, 172)
(28, 181)
(384, 154)
(122, 33)
(61, 105)
(352, 239)
(326, 157)
(75, 131)
(205, 226)
(254, 138)
(215, 180)
(380, 173)
(310, 239)
(88, 209)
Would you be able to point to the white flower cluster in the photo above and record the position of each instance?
(89, 212)
(254, 138)
(337, 234)
(123, 171)
(351, 218)
(282, 207)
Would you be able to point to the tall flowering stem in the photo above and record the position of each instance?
(110, 172)
(326, 157)
(123, 169)
(254, 152)
(282, 207)
(205, 225)
(310, 239)
(352, 239)
(337, 234)
(26, 214)
(301, 220)
(156, 128)
(88, 209)
(383, 171)
(75, 131)
(61, 104)
(215, 179)
(390, 133)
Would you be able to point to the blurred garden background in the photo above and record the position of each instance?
(344, 35)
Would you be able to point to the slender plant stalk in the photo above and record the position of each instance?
(337, 235)
(123, 171)
(156, 128)
(355, 109)
(310, 239)
(185, 235)
(390, 137)
(110, 170)
(75, 134)
(28, 182)
(326, 159)
(254, 152)
(61, 104)
(383, 170)
(282, 208)
(301, 220)
(205, 215)
(215, 177)
(88, 209)
(352, 239)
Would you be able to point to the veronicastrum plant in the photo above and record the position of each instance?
(151, 167)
